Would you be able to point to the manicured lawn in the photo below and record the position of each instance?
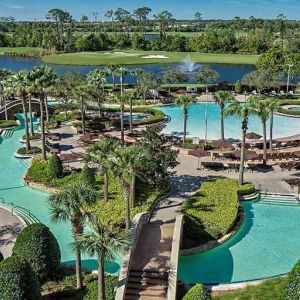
(140, 57)
(271, 289)
(19, 50)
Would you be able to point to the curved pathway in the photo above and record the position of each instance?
(10, 227)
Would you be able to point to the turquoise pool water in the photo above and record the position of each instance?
(12, 189)
(267, 244)
(283, 126)
(296, 108)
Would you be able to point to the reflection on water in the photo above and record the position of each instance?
(227, 72)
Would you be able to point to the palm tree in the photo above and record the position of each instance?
(122, 72)
(242, 111)
(261, 109)
(206, 76)
(126, 164)
(184, 101)
(100, 153)
(69, 204)
(112, 70)
(4, 75)
(122, 107)
(83, 93)
(129, 96)
(273, 106)
(103, 243)
(137, 73)
(18, 84)
(97, 78)
(43, 78)
(221, 98)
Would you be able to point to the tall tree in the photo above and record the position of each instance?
(173, 76)
(4, 75)
(261, 109)
(102, 243)
(122, 72)
(18, 85)
(70, 204)
(206, 76)
(100, 154)
(43, 78)
(127, 162)
(112, 70)
(184, 101)
(97, 79)
(222, 98)
(142, 14)
(242, 111)
(163, 19)
(273, 106)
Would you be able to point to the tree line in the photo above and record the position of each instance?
(125, 29)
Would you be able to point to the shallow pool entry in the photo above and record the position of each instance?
(266, 245)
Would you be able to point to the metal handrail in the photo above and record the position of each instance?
(22, 208)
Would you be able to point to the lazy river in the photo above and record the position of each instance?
(283, 126)
(266, 245)
(13, 189)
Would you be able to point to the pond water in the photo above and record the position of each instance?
(228, 72)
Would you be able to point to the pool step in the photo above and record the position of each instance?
(6, 133)
(277, 199)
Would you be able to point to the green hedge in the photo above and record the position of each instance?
(8, 124)
(214, 206)
(289, 111)
(37, 172)
(246, 189)
(292, 286)
(39, 247)
(197, 292)
(55, 167)
(33, 150)
(110, 285)
(18, 281)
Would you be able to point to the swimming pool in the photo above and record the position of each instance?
(12, 189)
(283, 126)
(266, 245)
(295, 108)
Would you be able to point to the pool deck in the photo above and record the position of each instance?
(10, 227)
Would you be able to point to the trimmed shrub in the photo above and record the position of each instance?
(1, 257)
(238, 87)
(18, 280)
(88, 176)
(214, 206)
(292, 286)
(110, 284)
(7, 124)
(33, 150)
(39, 247)
(55, 168)
(197, 292)
(246, 189)
(38, 170)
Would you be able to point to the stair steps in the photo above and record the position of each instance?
(277, 199)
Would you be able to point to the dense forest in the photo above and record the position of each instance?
(141, 30)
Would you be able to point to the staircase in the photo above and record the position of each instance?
(146, 285)
(6, 133)
(279, 199)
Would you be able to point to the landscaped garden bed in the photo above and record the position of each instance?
(8, 124)
(287, 111)
(24, 153)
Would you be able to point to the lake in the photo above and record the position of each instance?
(228, 72)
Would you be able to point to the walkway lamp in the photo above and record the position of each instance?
(288, 78)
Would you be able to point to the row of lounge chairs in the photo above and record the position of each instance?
(52, 147)
(289, 166)
(220, 166)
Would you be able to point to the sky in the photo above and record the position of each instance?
(218, 9)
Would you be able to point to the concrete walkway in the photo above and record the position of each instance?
(10, 227)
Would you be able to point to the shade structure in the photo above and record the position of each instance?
(221, 144)
(253, 136)
(198, 152)
(70, 157)
(291, 138)
(248, 154)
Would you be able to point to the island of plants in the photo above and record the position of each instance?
(8, 124)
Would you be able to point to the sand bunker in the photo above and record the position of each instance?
(155, 56)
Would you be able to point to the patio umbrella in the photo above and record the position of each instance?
(221, 144)
(253, 136)
(248, 154)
